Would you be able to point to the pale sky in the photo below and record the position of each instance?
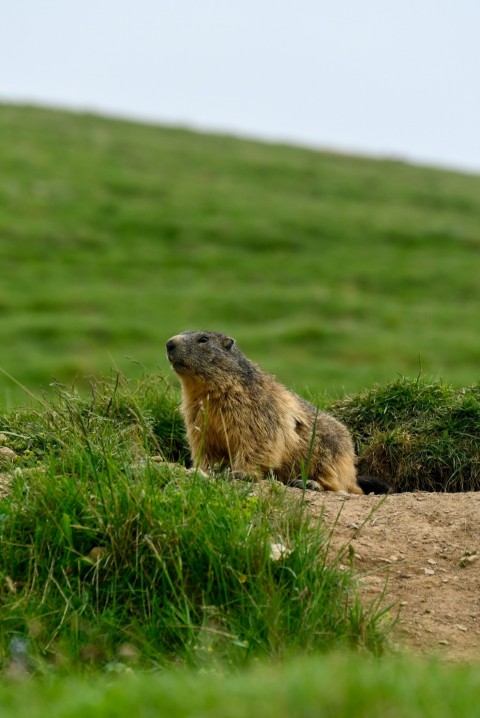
(397, 79)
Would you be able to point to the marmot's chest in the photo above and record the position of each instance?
(214, 430)
(228, 406)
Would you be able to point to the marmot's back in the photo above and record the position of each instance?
(236, 415)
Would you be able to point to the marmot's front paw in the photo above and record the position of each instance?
(309, 484)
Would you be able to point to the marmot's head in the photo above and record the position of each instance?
(210, 356)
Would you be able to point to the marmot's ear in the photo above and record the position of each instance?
(228, 343)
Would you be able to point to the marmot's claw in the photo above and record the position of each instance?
(309, 484)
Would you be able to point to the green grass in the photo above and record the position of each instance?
(333, 272)
(106, 553)
(337, 274)
(417, 435)
(340, 685)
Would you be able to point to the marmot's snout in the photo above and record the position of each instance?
(176, 354)
(171, 346)
(173, 353)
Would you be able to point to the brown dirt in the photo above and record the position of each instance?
(421, 548)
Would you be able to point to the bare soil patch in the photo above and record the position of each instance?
(423, 549)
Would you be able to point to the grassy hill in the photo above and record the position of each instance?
(333, 272)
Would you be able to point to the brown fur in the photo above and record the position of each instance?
(238, 416)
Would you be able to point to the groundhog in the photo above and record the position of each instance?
(240, 418)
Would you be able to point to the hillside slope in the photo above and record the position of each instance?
(334, 272)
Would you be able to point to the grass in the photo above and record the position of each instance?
(108, 556)
(336, 273)
(333, 272)
(111, 555)
(417, 435)
(341, 685)
(109, 551)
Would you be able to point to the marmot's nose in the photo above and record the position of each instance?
(170, 346)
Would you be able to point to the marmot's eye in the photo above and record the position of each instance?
(202, 340)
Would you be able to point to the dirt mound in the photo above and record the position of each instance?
(426, 548)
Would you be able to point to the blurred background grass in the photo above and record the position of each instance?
(331, 271)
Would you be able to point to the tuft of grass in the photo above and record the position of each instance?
(109, 557)
(127, 418)
(417, 435)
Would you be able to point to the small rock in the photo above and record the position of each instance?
(199, 471)
(444, 642)
(429, 572)
(431, 562)
(461, 627)
(128, 651)
(278, 551)
(465, 560)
